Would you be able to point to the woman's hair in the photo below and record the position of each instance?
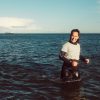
(75, 30)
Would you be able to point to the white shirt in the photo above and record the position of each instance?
(72, 50)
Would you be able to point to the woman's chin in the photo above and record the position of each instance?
(73, 41)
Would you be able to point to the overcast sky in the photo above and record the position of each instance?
(31, 16)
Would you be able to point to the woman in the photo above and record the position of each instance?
(70, 54)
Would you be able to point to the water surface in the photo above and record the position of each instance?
(30, 68)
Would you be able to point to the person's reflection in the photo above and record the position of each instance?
(71, 91)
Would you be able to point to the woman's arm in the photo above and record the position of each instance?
(63, 55)
(84, 59)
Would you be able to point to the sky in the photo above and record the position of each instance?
(49, 16)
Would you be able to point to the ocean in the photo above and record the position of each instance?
(30, 68)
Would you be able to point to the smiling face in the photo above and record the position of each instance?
(74, 37)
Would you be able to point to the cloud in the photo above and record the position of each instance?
(17, 25)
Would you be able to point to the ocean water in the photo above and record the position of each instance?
(30, 68)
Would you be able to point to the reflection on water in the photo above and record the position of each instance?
(21, 83)
(71, 91)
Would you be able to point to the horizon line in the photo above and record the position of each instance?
(47, 33)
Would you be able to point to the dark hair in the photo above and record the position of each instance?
(75, 30)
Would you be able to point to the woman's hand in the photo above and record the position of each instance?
(87, 61)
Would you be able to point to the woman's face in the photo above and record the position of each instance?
(74, 37)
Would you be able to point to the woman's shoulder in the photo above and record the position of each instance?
(78, 44)
(66, 44)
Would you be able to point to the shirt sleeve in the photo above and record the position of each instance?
(65, 48)
(62, 56)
